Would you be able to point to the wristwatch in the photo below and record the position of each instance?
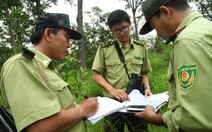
(147, 88)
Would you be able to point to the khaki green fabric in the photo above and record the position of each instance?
(107, 63)
(190, 73)
(28, 97)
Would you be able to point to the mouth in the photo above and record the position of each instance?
(123, 36)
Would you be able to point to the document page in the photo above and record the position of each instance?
(156, 100)
(106, 106)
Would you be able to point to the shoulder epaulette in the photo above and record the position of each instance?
(28, 54)
(139, 42)
(173, 36)
(107, 44)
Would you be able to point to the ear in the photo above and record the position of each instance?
(165, 11)
(47, 34)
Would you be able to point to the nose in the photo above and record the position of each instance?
(122, 32)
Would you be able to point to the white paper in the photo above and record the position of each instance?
(106, 106)
(156, 100)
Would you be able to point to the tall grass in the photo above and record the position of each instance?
(158, 80)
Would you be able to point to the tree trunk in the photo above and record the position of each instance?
(10, 28)
(81, 47)
(38, 12)
(135, 23)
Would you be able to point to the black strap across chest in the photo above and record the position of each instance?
(121, 56)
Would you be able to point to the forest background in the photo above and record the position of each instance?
(17, 20)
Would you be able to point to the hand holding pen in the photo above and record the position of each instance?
(89, 106)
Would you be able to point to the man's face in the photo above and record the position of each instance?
(121, 31)
(161, 25)
(59, 45)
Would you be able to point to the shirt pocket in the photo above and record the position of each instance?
(61, 90)
(113, 67)
(136, 66)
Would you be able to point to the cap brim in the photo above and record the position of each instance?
(74, 34)
(145, 29)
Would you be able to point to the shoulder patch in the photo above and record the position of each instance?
(139, 42)
(187, 75)
(107, 44)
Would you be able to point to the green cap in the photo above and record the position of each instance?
(149, 8)
(57, 20)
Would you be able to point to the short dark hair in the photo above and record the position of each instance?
(175, 4)
(37, 35)
(117, 16)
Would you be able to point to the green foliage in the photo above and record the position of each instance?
(17, 20)
(205, 7)
(95, 33)
(75, 77)
(78, 82)
(15, 26)
(98, 127)
(79, 78)
(158, 77)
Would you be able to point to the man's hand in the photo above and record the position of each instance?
(89, 107)
(147, 92)
(146, 115)
(150, 116)
(119, 94)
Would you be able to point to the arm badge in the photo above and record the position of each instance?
(187, 75)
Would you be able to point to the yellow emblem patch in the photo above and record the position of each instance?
(187, 75)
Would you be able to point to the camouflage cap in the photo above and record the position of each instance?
(149, 8)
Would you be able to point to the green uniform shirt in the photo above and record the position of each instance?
(108, 64)
(190, 77)
(28, 97)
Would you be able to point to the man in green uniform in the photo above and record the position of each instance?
(110, 73)
(33, 93)
(189, 72)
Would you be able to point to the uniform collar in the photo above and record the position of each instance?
(132, 43)
(173, 36)
(42, 58)
(122, 44)
(192, 16)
